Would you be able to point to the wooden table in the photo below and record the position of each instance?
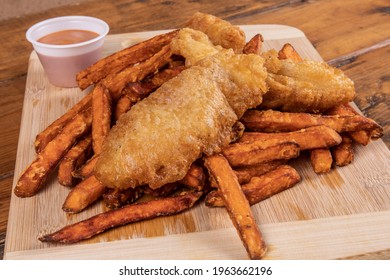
(351, 35)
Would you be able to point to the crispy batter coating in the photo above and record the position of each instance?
(161, 136)
(306, 86)
(219, 31)
(246, 72)
(193, 45)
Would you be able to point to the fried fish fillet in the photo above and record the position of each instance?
(220, 32)
(193, 45)
(305, 86)
(161, 136)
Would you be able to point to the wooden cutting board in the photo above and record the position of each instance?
(336, 215)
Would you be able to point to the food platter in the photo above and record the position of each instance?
(340, 214)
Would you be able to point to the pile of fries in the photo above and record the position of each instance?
(252, 168)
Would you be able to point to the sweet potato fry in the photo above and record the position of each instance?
(101, 116)
(87, 169)
(131, 94)
(116, 83)
(195, 178)
(236, 205)
(141, 89)
(308, 138)
(321, 160)
(174, 68)
(261, 187)
(362, 137)
(342, 110)
(254, 45)
(288, 52)
(164, 190)
(135, 91)
(118, 61)
(123, 105)
(32, 179)
(212, 183)
(115, 198)
(237, 131)
(251, 153)
(83, 195)
(343, 153)
(275, 121)
(73, 159)
(125, 215)
(50, 132)
(244, 174)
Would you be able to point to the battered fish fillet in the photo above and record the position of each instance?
(307, 86)
(219, 31)
(161, 136)
(193, 45)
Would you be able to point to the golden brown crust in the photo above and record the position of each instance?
(219, 31)
(191, 114)
(136, 91)
(305, 86)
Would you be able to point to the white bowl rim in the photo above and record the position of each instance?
(66, 18)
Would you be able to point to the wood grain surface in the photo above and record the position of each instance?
(320, 206)
(352, 35)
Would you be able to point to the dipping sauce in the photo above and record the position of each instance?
(66, 37)
(66, 45)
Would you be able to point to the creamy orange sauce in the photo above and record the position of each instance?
(66, 37)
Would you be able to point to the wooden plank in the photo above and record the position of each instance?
(360, 188)
(308, 240)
